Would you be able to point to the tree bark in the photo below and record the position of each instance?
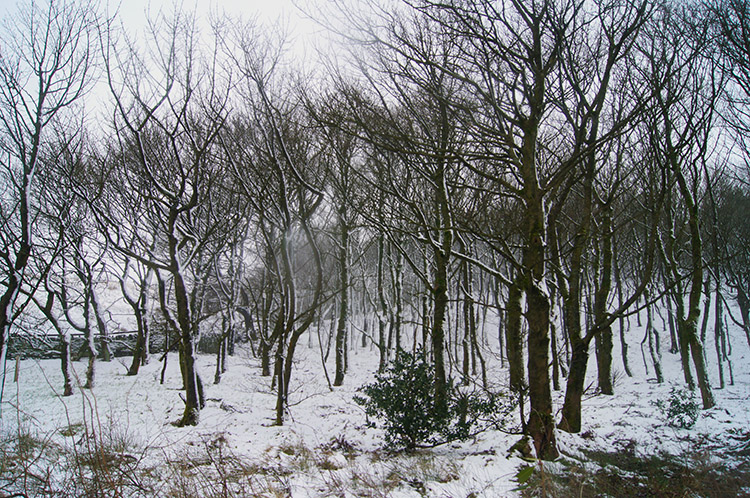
(343, 315)
(604, 333)
(101, 324)
(653, 343)
(191, 414)
(571, 412)
(440, 292)
(718, 333)
(383, 306)
(621, 318)
(513, 345)
(688, 325)
(541, 424)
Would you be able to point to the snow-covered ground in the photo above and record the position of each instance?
(326, 447)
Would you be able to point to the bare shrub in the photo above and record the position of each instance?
(91, 459)
(213, 470)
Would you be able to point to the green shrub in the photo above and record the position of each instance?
(680, 410)
(403, 398)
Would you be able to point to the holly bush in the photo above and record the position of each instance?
(403, 399)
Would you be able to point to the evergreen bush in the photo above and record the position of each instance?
(403, 398)
(680, 410)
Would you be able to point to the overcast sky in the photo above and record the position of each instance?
(304, 34)
(134, 9)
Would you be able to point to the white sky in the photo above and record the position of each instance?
(134, 9)
(304, 34)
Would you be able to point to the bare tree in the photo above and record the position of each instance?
(140, 276)
(731, 21)
(595, 105)
(686, 87)
(342, 154)
(46, 62)
(410, 112)
(501, 57)
(55, 201)
(275, 167)
(515, 49)
(731, 28)
(166, 169)
(732, 203)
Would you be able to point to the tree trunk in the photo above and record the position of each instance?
(191, 414)
(278, 363)
(140, 346)
(146, 319)
(6, 309)
(718, 332)
(221, 351)
(280, 383)
(571, 411)
(264, 351)
(65, 363)
(688, 325)
(604, 360)
(64, 336)
(513, 345)
(555, 356)
(469, 338)
(699, 360)
(541, 424)
(90, 344)
(383, 311)
(706, 310)
(101, 324)
(284, 323)
(398, 298)
(653, 343)
(674, 346)
(683, 338)
(440, 292)
(744, 304)
(621, 318)
(13, 279)
(365, 320)
(501, 317)
(604, 333)
(426, 308)
(293, 330)
(343, 318)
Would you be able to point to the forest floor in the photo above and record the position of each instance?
(118, 439)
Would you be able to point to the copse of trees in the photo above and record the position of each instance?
(552, 168)
(46, 65)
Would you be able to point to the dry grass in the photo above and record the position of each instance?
(698, 471)
(74, 461)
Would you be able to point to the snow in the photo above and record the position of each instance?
(326, 447)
